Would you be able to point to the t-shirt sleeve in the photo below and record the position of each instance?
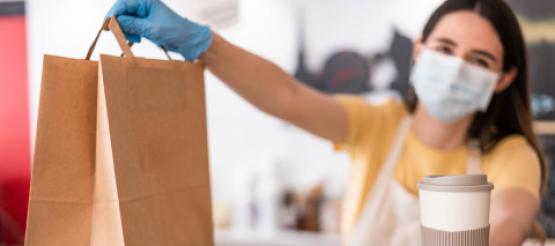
(519, 168)
(368, 124)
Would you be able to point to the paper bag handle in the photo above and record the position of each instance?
(111, 24)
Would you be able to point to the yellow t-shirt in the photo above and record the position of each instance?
(372, 128)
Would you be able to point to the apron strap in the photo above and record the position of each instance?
(396, 148)
(378, 191)
(473, 158)
(377, 194)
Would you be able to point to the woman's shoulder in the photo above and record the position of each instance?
(370, 122)
(513, 163)
(512, 147)
(390, 106)
(511, 142)
(369, 117)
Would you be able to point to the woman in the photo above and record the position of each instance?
(470, 86)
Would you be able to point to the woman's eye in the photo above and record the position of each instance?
(445, 50)
(481, 62)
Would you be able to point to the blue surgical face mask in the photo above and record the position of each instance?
(449, 88)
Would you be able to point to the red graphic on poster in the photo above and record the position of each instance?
(14, 127)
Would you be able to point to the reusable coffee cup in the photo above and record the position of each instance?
(454, 210)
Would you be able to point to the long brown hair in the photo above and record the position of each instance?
(509, 111)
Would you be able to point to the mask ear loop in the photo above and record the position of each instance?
(474, 157)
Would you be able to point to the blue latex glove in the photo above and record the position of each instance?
(153, 20)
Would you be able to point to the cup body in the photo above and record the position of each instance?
(454, 210)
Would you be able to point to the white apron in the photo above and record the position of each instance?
(391, 215)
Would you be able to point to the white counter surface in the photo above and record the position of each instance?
(292, 238)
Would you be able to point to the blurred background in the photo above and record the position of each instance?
(272, 184)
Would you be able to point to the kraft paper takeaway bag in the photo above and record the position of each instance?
(150, 180)
(62, 179)
(152, 147)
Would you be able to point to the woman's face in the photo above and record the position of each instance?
(469, 36)
(473, 38)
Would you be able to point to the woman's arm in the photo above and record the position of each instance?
(259, 81)
(512, 215)
(275, 92)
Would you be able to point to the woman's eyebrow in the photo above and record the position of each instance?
(481, 52)
(447, 41)
(486, 54)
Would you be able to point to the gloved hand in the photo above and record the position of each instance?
(153, 20)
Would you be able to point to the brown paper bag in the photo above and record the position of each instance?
(146, 181)
(62, 177)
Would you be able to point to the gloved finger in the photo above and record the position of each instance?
(133, 25)
(133, 38)
(119, 8)
(198, 44)
(128, 7)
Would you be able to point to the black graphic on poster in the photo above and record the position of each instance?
(347, 71)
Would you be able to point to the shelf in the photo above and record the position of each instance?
(278, 238)
(544, 127)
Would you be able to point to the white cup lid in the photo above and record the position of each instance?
(456, 183)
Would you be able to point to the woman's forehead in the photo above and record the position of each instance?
(469, 31)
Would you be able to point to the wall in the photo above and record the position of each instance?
(364, 26)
